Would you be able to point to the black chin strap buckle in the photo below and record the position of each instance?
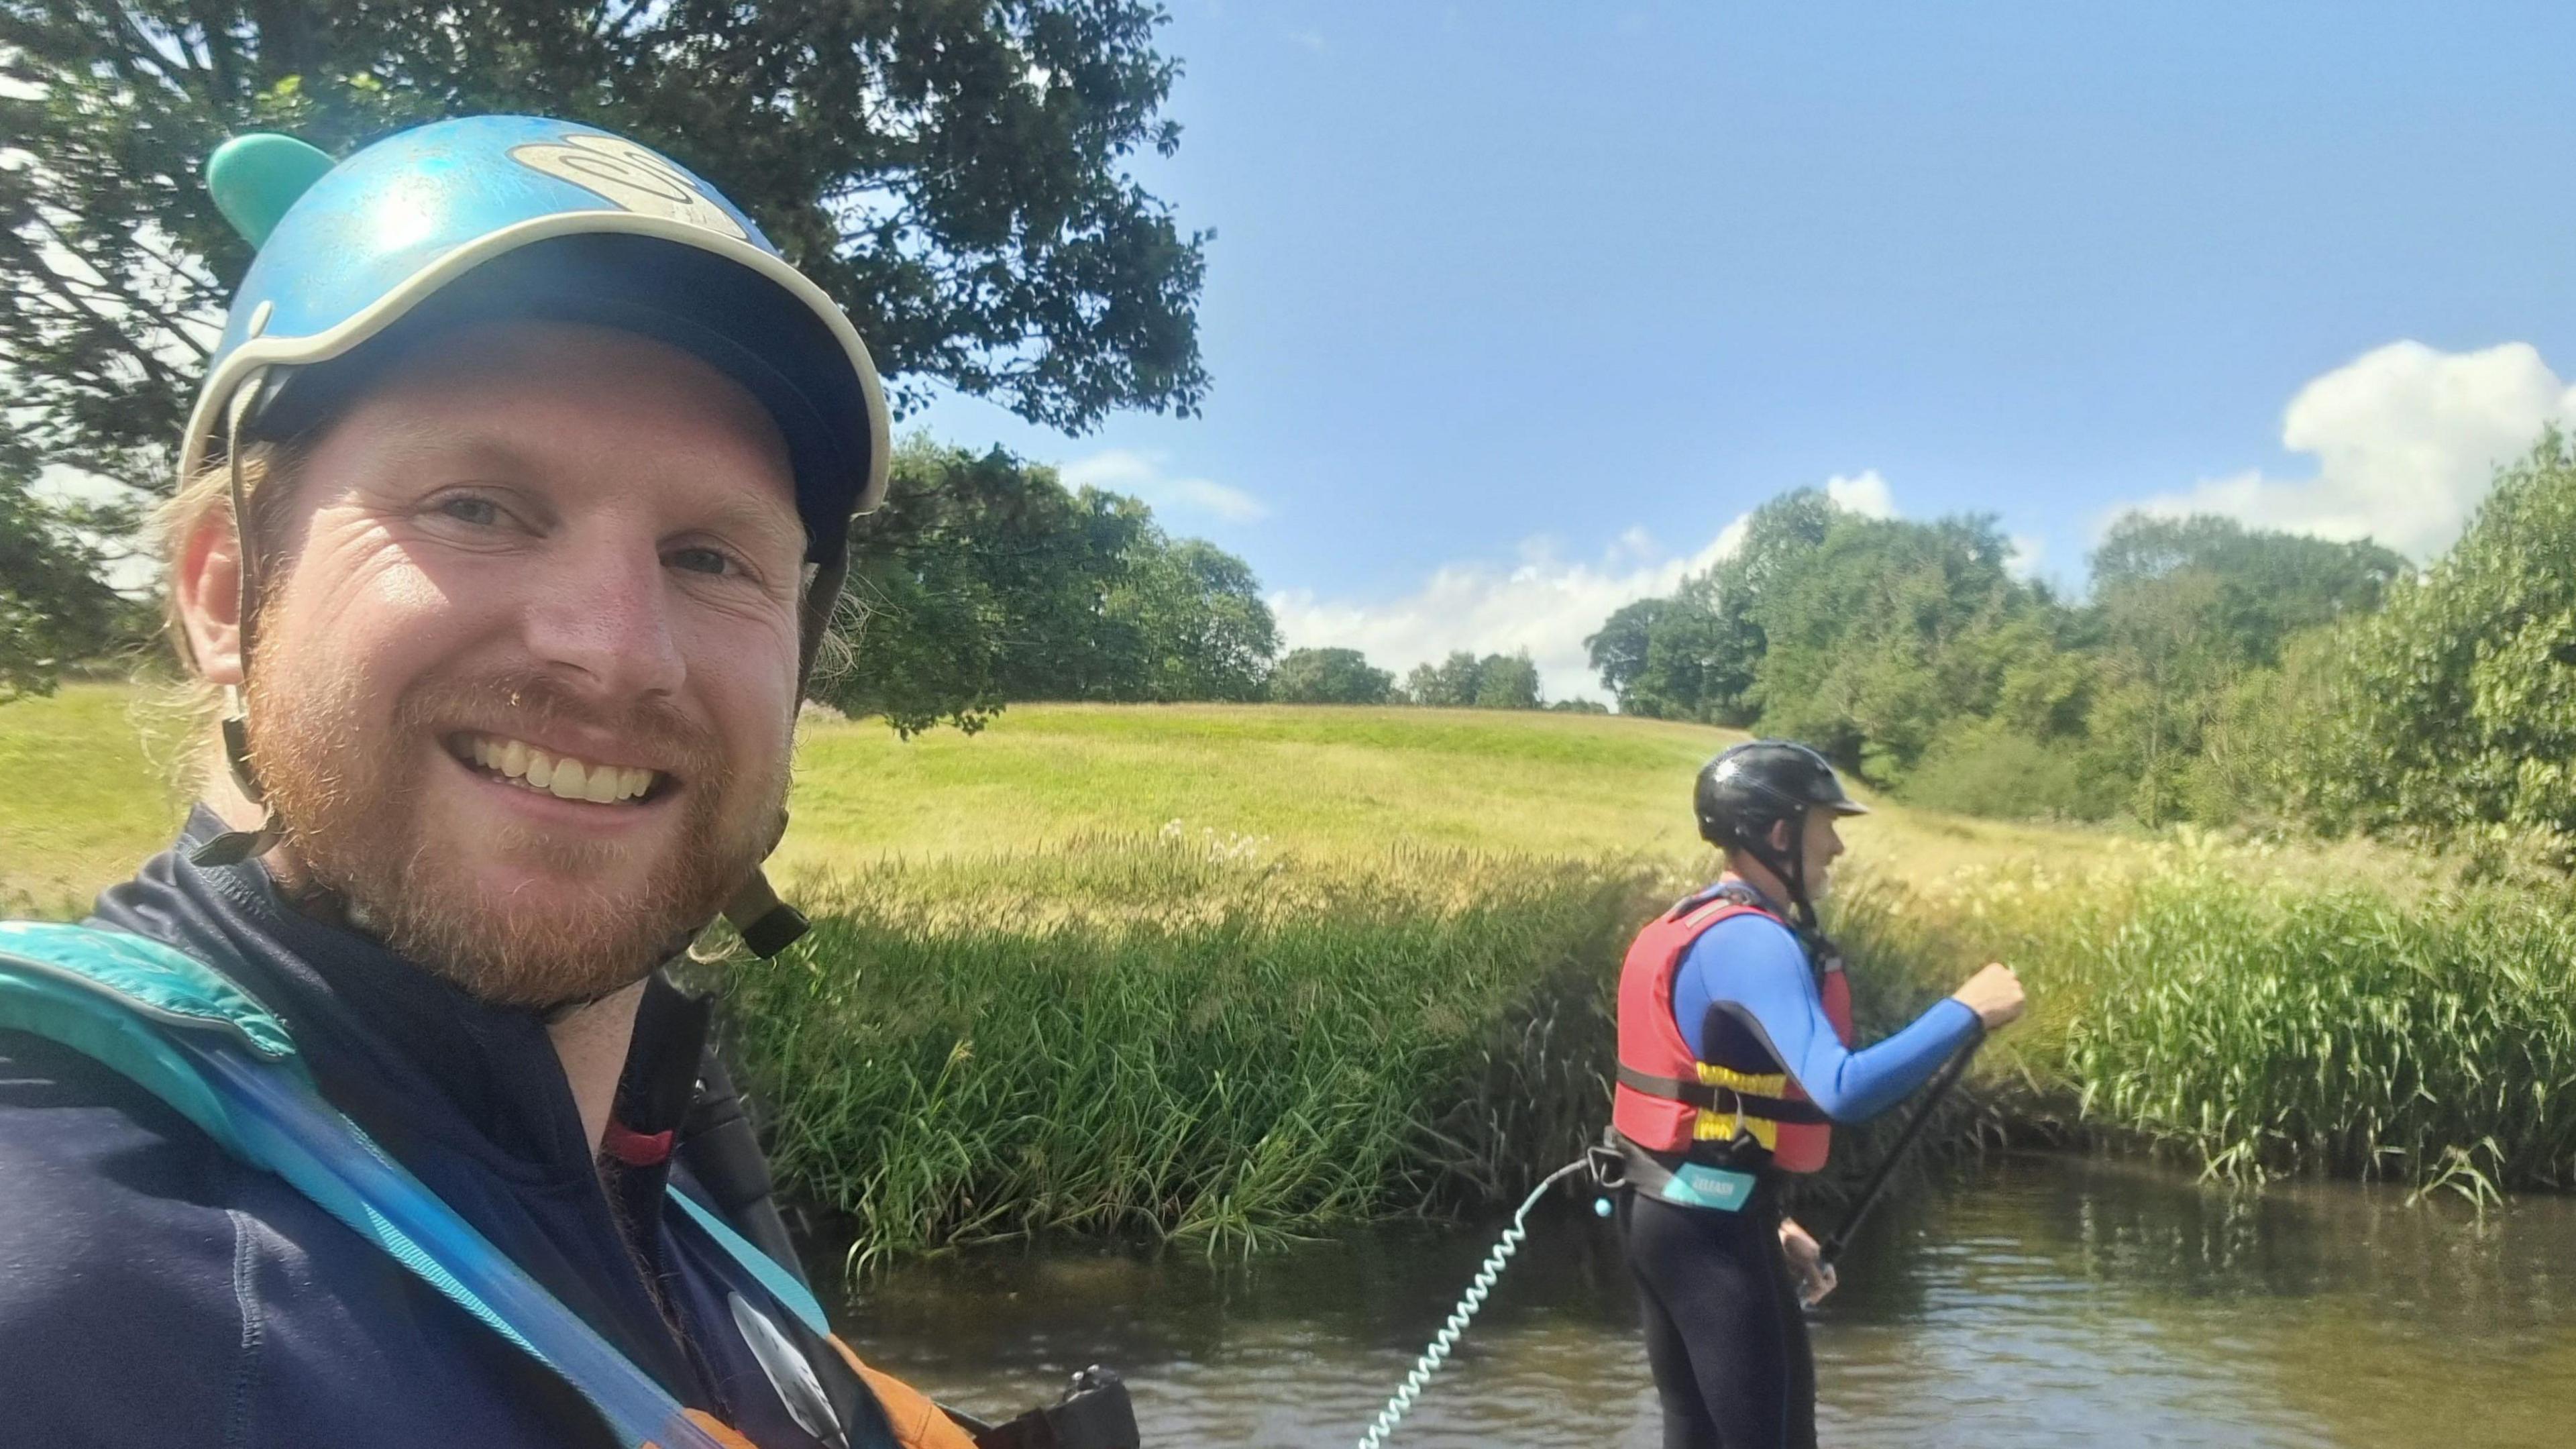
(235, 846)
(768, 924)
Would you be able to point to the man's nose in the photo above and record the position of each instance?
(604, 615)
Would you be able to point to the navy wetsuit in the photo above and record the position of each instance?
(1725, 1334)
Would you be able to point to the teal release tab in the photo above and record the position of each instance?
(1710, 1187)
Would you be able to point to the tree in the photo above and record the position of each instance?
(1619, 652)
(1329, 676)
(2169, 661)
(2454, 707)
(2261, 586)
(1507, 681)
(1195, 611)
(1869, 638)
(2188, 607)
(1883, 633)
(1696, 655)
(984, 581)
(952, 174)
(1450, 684)
(973, 561)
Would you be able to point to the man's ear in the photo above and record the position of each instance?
(205, 584)
(1778, 835)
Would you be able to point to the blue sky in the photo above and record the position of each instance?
(1513, 309)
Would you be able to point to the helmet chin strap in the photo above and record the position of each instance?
(767, 924)
(1790, 868)
(235, 846)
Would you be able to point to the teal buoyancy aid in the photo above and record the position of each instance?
(193, 1038)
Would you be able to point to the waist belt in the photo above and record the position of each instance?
(1710, 1097)
(1619, 1163)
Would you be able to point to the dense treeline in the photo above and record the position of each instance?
(2216, 673)
(1461, 681)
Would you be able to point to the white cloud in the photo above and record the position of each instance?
(1542, 603)
(2028, 549)
(1124, 470)
(2406, 439)
(1864, 493)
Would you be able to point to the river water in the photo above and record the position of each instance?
(2042, 1301)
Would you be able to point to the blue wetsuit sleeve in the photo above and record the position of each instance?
(1758, 965)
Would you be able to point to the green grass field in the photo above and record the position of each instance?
(91, 774)
(94, 766)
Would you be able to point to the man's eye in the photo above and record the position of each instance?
(701, 560)
(481, 512)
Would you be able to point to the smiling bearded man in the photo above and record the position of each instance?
(510, 520)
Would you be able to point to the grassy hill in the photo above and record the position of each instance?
(93, 769)
(1313, 781)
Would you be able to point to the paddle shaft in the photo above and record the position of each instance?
(1876, 1187)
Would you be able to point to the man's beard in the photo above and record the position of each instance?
(348, 795)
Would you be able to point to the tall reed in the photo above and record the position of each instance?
(1177, 1036)
(2258, 1020)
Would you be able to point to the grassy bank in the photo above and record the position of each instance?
(1226, 971)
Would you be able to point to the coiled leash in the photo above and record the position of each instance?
(1447, 1338)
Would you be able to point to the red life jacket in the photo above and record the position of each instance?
(1667, 1099)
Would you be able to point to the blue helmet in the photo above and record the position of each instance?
(522, 217)
(517, 217)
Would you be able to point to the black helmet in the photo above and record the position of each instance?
(1751, 787)
(1746, 790)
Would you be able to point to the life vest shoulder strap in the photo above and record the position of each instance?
(134, 1005)
(153, 981)
(194, 1038)
(1725, 897)
(767, 1271)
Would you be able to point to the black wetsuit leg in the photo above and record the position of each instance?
(1724, 1332)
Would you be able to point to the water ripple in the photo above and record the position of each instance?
(2048, 1302)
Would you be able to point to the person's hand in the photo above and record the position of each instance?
(1994, 994)
(1807, 1262)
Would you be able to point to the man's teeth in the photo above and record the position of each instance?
(560, 775)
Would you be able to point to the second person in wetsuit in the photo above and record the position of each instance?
(1734, 1056)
